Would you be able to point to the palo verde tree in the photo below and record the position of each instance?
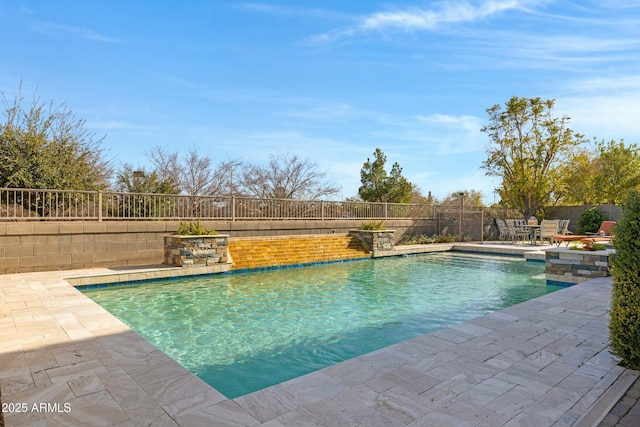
(527, 145)
(378, 186)
(47, 147)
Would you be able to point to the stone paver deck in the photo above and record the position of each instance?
(66, 361)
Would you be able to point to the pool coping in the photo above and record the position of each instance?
(542, 361)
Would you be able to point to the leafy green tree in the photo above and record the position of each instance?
(378, 186)
(617, 171)
(601, 174)
(471, 198)
(132, 180)
(420, 199)
(47, 147)
(575, 185)
(143, 183)
(527, 145)
(624, 325)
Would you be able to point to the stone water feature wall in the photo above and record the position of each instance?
(379, 242)
(274, 251)
(195, 251)
(567, 266)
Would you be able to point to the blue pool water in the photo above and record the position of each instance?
(244, 332)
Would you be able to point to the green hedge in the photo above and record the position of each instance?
(624, 326)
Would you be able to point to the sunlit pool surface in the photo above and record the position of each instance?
(243, 332)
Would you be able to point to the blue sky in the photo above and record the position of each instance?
(326, 80)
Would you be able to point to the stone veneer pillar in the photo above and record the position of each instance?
(570, 267)
(378, 242)
(196, 251)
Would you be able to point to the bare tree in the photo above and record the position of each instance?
(286, 177)
(166, 165)
(195, 174)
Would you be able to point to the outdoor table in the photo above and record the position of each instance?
(534, 230)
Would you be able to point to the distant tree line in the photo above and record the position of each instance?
(541, 163)
(285, 176)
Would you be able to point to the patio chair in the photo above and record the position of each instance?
(605, 230)
(521, 225)
(517, 232)
(548, 230)
(563, 227)
(503, 231)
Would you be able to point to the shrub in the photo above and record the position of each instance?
(423, 239)
(624, 325)
(194, 229)
(589, 246)
(372, 225)
(590, 220)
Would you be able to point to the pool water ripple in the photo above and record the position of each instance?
(244, 332)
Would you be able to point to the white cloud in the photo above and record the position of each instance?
(605, 108)
(420, 19)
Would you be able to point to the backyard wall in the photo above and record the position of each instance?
(60, 245)
(572, 213)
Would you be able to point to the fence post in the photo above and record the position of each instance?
(233, 208)
(321, 210)
(385, 210)
(99, 206)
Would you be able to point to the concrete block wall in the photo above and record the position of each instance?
(62, 245)
(41, 246)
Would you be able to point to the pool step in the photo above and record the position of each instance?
(290, 250)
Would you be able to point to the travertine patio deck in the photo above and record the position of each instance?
(542, 362)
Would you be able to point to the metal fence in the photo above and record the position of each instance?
(39, 205)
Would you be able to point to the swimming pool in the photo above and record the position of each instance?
(244, 332)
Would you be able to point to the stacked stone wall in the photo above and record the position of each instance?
(379, 242)
(195, 251)
(566, 266)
